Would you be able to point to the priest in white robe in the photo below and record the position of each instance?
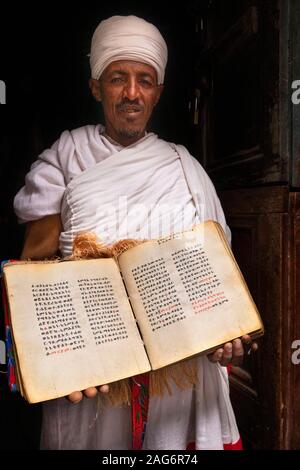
(120, 181)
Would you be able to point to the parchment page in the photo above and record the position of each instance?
(73, 326)
(187, 294)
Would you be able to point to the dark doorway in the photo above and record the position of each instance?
(44, 64)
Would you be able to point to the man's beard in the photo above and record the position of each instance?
(127, 132)
(130, 133)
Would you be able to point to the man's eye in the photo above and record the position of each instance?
(145, 82)
(117, 80)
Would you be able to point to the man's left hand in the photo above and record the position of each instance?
(233, 353)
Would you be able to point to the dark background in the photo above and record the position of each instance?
(44, 63)
(242, 61)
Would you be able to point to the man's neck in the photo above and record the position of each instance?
(111, 140)
(123, 141)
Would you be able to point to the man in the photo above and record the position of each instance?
(121, 182)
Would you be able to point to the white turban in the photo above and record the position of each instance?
(128, 38)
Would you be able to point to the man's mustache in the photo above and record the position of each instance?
(128, 105)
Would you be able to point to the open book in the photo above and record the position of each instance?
(78, 324)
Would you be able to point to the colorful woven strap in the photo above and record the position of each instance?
(139, 409)
(8, 338)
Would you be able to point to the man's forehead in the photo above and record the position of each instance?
(129, 66)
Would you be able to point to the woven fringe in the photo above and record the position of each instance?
(183, 374)
(123, 245)
(119, 393)
(88, 246)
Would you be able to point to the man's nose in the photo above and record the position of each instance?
(131, 89)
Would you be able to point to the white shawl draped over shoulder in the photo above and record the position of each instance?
(149, 176)
(137, 192)
(146, 190)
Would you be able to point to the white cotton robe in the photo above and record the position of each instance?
(146, 190)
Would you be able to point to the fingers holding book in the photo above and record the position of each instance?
(91, 392)
(233, 352)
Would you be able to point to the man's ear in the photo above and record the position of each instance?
(95, 88)
(160, 89)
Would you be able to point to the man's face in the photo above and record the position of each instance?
(128, 91)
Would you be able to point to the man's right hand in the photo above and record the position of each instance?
(91, 392)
